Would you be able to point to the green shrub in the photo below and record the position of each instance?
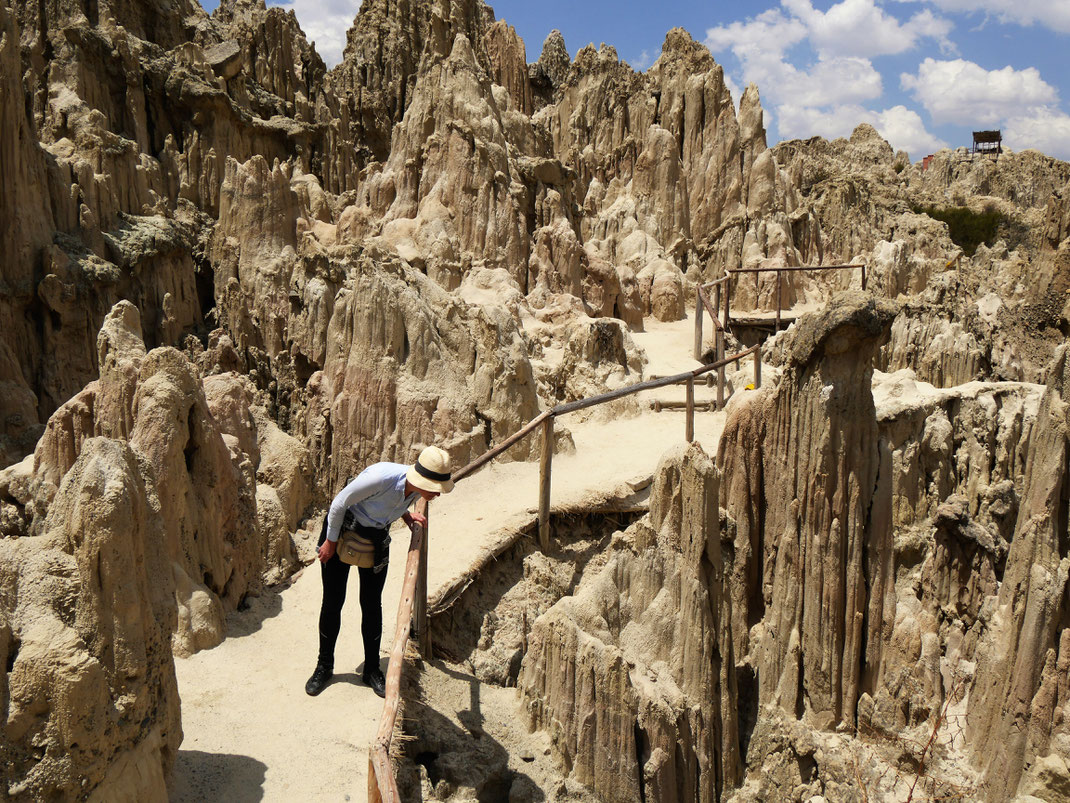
(967, 229)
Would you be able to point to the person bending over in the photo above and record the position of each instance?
(368, 505)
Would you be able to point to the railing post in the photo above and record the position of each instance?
(698, 322)
(727, 294)
(544, 483)
(373, 782)
(717, 299)
(758, 367)
(720, 371)
(863, 277)
(419, 614)
(778, 301)
(689, 427)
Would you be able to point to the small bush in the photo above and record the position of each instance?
(967, 229)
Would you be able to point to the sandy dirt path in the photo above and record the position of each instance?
(251, 733)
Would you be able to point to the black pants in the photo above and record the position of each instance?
(335, 578)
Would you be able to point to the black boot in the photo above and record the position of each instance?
(319, 680)
(373, 677)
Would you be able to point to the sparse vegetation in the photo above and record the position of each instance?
(968, 229)
(913, 770)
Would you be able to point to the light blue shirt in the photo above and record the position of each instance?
(376, 497)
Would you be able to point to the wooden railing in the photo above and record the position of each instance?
(412, 610)
(381, 784)
(703, 300)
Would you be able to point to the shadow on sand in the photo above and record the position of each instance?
(255, 610)
(460, 753)
(199, 776)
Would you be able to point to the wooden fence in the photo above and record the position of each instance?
(703, 300)
(412, 610)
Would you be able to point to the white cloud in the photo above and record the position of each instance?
(642, 62)
(761, 43)
(860, 28)
(902, 127)
(770, 34)
(963, 92)
(829, 82)
(824, 96)
(1046, 129)
(325, 22)
(1054, 14)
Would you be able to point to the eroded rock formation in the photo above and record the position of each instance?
(155, 502)
(87, 613)
(633, 676)
(944, 489)
(801, 466)
(233, 278)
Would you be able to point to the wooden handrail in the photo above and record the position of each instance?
(590, 401)
(795, 267)
(620, 393)
(715, 282)
(779, 287)
(705, 299)
(486, 457)
(382, 787)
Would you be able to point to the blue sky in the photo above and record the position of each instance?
(924, 72)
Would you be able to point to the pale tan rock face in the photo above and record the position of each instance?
(394, 381)
(274, 54)
(508, 64)
(27, 224)
(130, 137)
(548, 74)
(207, 448)
(86, 617)
(947, 498)
(633, 675)
(383, 53)
(448, 190)
(800, 492)
(254, 246)
(1020, 694)
(959, 585)
(434, 240)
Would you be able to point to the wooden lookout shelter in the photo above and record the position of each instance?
(987, 143)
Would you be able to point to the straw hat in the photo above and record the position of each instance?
(431, 471)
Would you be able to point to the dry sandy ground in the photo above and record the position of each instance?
(251, 733)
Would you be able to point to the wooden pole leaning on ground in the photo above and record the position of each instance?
(373, 784)
(544, 483)
(704, 299)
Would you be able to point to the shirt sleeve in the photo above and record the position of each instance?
(366, 484)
